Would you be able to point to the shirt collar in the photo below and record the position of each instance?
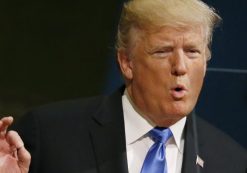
(177, 131)
(137, 126)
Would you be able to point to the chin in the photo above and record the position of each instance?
(168, 121)
(180, 112)
(182, 108)
(168, 118)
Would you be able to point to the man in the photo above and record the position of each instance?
(163, 49)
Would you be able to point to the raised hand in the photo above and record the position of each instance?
(14, 158)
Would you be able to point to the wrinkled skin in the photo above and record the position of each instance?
(164, 72)
(14, 158)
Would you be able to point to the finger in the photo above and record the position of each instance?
(4, 124)
(14, 140)
(7, 120)
(24, 158)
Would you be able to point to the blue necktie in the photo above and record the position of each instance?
(155, 161)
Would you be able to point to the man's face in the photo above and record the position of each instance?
(165, 72)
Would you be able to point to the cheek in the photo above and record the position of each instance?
(149, 79)
(198, 75)
(153, 76)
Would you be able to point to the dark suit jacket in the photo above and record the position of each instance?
(87, 136)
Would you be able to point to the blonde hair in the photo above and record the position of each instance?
(151, 14)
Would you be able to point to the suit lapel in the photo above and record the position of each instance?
(108, 139)
(108, 136)
(191, 148)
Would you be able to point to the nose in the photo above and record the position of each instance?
(179, 67)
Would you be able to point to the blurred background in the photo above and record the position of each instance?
(54, 50)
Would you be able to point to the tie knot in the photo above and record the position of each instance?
(159, 134)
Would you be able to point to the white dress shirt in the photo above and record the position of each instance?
(138, 142)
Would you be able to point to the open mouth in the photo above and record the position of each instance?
(178, 92)
(178, 89)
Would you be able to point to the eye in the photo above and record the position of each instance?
(192, 52)
(161, 53)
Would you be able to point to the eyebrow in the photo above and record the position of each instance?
(159, 45)
(192, 45)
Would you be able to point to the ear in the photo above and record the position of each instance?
(125, 64)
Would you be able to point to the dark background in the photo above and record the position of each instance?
(54, 50)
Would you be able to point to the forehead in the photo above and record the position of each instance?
(160, 37)
(173, 35)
